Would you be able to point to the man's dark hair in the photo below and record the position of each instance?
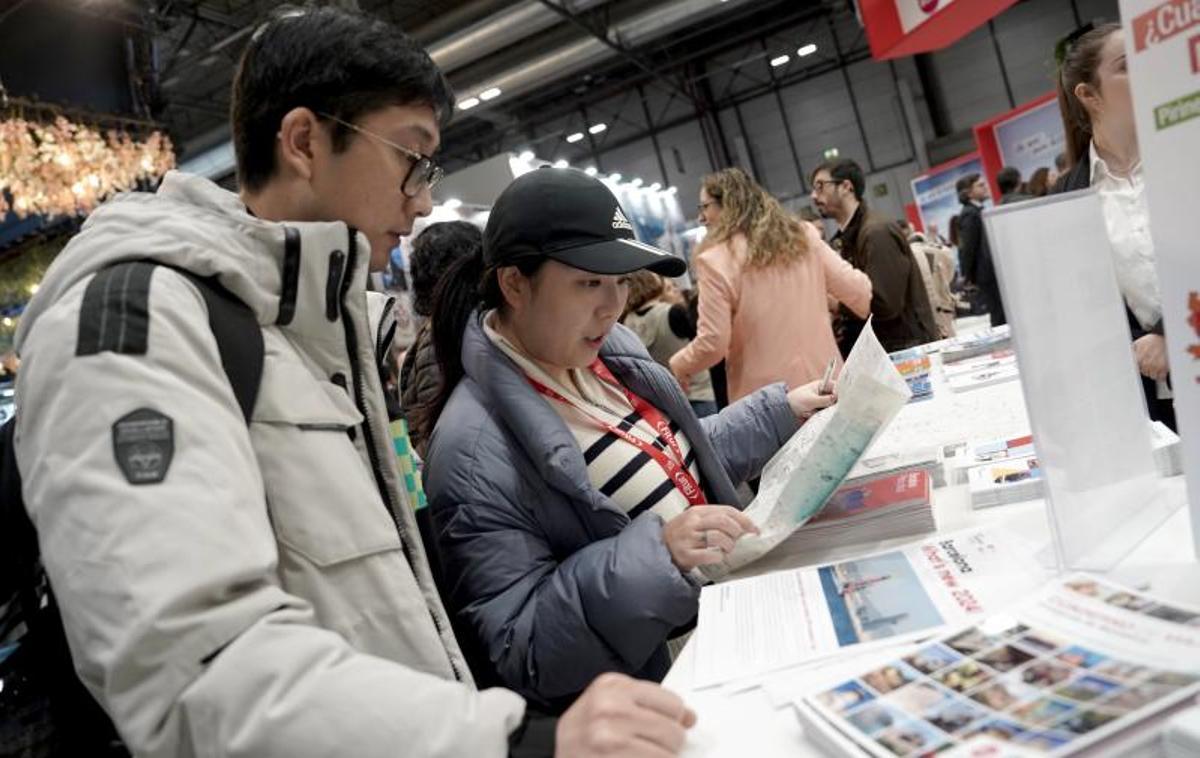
(963, 186)
(433, 252)
(330, 61)
(1008, 180)
(844, 170)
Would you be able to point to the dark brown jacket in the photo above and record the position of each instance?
(900, 305)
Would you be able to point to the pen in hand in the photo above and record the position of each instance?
(823, 388)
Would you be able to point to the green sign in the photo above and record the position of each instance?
(1177, 111)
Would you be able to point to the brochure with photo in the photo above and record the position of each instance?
(753, 626)
(1010, 481)
(810, 466)
(1084, 665)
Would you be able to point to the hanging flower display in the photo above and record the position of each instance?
(67, 169)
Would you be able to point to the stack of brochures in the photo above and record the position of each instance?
(1084, 666)
(1013, 480)
(868, 510)
(981, 371)
(963, 348)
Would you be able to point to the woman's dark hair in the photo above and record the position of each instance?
(1078, 63)
(433, 251)
(955, 229)
(963, 187)
(1008, 180)
(1039, 183)
(465, 287)
(331, 61)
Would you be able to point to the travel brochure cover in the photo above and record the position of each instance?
(1081, 663)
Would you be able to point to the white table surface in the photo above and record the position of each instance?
(747, 724)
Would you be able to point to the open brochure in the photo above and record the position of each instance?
(1084, 665)
(753, 626)
(812, 464)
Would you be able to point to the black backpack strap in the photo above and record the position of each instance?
(239, 338)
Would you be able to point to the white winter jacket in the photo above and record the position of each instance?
(227, 590)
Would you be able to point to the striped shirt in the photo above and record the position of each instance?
(626, 475)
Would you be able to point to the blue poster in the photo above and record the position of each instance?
(937, 198)
(1032, 139)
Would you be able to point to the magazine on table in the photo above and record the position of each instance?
(811, 465)
(1005, 358)
(869, 510)
(1084, 665)
(962, 458)
(965, 456)
(753, 626)
(1013, 480)
(915, 366)
(926, 458)
(965, 348)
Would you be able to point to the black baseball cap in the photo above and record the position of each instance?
(570, 217)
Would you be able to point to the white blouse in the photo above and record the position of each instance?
(1128, 220)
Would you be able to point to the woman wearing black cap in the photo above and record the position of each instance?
(565, 462)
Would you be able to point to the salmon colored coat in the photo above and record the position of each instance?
(769, 324)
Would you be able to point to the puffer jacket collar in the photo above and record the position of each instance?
(300, 276)
(540, 431)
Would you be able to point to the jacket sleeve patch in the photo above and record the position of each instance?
(143, 444)
(115, 314)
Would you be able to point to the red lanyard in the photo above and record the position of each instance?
(672, 467)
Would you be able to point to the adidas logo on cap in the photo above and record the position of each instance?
(619, 221)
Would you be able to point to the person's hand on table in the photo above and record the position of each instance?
(807, 399)
(1151, 353)
(620, 716)
(705, 534)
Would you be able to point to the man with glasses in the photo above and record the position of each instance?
(900, 305)
(248, 580)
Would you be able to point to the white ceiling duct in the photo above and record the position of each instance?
(576, 56)
(500, 30)
(519, 22)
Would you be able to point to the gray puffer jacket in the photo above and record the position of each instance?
(549, 582)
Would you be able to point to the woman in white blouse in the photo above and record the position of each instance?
(1097, 109)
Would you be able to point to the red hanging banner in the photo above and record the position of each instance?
(896, 28)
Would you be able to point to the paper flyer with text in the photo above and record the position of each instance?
(754, 626)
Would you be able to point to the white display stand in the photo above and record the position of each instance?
(1085, 401)
(1163, 47)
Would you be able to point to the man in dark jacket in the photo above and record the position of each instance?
(1011, 187)
(900, 305)
(974, 254)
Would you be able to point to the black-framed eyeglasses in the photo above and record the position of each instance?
(819, 184)
(423, 171)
